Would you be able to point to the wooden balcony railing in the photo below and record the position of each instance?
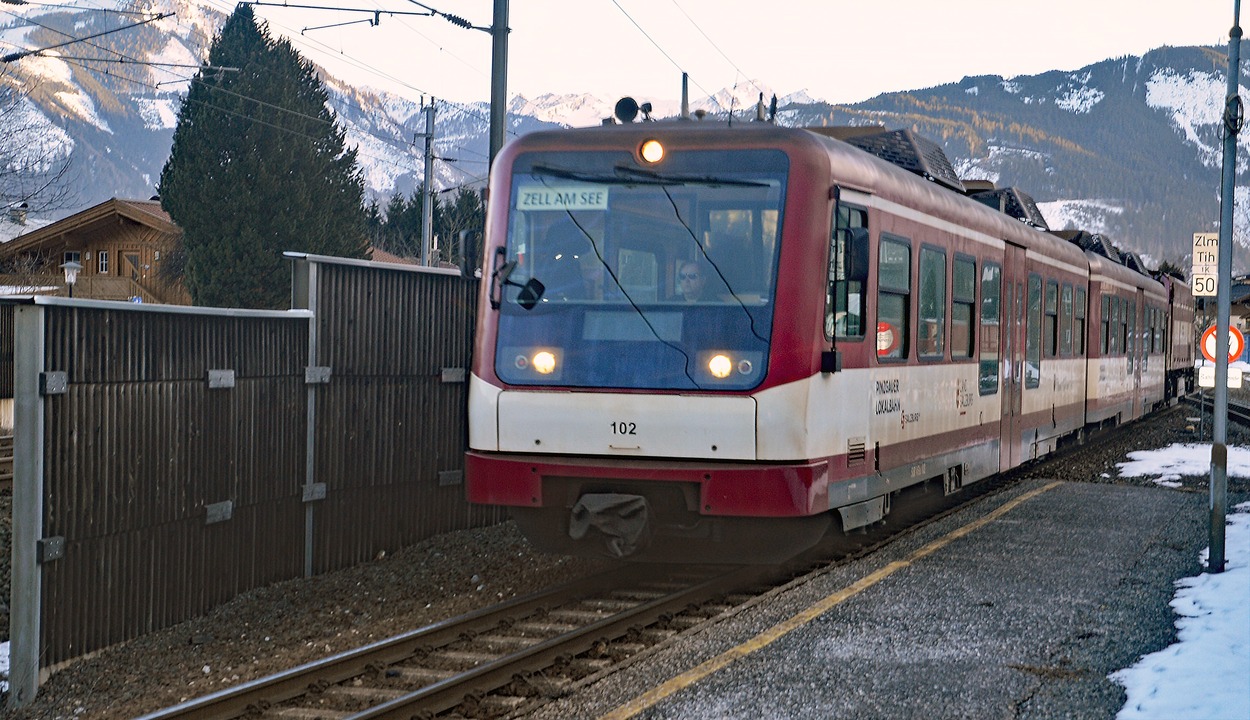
(95, 287)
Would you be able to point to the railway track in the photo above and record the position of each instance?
(497, 661)
(1238, 412)
(490, 661)
(507, 659)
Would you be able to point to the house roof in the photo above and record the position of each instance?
(380, 255)
(143, 212)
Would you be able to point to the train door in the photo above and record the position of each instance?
(1136, 348)
(1011, 428)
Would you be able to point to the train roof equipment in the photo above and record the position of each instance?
(1091, 242)
(1014, 202)
(911, 152)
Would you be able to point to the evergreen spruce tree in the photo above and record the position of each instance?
(258, 167)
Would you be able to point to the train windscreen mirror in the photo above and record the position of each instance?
(857, 254)
(531, 292)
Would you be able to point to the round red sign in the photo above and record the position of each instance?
(1236, 343)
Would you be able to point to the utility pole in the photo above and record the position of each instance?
(1233, 116)
(427, 194)
(498, 78)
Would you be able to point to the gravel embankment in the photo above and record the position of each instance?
(277, 627)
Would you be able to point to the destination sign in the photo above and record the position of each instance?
(562, 197)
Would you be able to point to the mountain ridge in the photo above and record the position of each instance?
(1128, 146)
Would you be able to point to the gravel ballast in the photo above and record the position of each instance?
(280, 626)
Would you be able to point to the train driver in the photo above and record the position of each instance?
(691, 281)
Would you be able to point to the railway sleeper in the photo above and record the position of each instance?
(471, 658)
(360, 694)
(490, 705)
(416, 675)
(507, 642)
(545, 628)
(304, 713)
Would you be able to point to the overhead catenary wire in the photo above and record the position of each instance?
(338, 55)
(677, 65)
(126, 59)
(19, 55)
(97, 46)
(715, 46)
(90, 64)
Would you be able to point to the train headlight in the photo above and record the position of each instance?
(731, 368)
(544, 362)
(651, 151)
(529, 364)
(720, 366)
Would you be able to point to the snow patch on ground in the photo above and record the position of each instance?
(158, 113)
(1195, 102)
(1079, 100)
(1089, 215)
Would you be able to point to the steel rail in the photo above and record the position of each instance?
(248, 697)
(449, 693)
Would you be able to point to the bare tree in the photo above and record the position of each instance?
(34, 153)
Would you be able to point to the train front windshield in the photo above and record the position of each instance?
(619, 276)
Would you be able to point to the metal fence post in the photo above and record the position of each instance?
(27, 581)
(304, 297)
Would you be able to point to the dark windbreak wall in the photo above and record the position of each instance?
(167, 459)
(391, 428)
(155, 457)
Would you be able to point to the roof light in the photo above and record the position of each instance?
(652, 151)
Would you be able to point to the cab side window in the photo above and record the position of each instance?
(844, 304)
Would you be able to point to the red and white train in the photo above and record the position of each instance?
(862, 328)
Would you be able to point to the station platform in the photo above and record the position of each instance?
(1016, 607)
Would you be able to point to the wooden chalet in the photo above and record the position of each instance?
(119, 243)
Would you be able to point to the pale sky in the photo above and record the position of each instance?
(836, 50)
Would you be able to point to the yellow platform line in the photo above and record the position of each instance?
(655, 695)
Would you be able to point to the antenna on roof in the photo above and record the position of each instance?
(685, 96)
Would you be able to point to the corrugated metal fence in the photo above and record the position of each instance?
(168, 459)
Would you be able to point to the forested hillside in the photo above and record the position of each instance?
(1130, 147)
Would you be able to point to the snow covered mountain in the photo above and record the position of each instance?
(1129, 146)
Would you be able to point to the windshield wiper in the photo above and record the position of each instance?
(546, 170)
(657, 178)
(626, 175)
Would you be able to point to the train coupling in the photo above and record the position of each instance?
(621, 523)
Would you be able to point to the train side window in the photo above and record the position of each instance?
(1118, 325)
(1065, 321)
(931, 333)
(963, 299)
(844, 301)
(893, 298)
(1050, 321)
(1130, 334)
(1105, 344)
(1151, 340)
(1158, 335)
(1078, 322)
(1033, 334)
(991, 287)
